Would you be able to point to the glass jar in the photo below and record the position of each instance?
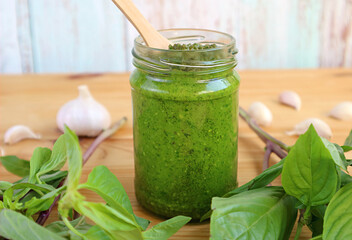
(185, 117)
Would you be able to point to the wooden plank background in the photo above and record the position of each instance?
(47, 36)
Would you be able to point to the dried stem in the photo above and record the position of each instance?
(44, 215)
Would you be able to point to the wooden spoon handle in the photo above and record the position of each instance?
(151, 37)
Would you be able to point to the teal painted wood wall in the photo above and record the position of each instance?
(51, 36)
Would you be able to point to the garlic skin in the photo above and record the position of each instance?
(290, 98)
(342, 111)
(84, 115)
(19, 132)
(260, 113)
(320, 126)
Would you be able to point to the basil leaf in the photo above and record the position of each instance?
(336, 153)
(309, 173)
(14, 225)
(43, 203)
(345, 178)
(264, 213)
(347, 146)
(15, 165)
(65, 148)
(348, 141)
(166, 229)
(263, 179)
(106, 184)
(320, 237)
(62, 230)
(117, 224)
(5, 185)
(96, 233)
(338, 216)
(316, 223)
(40, 157)
(9, 193)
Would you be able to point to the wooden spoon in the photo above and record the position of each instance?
(151, 37)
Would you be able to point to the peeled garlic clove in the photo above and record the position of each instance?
(320, 126)
(260, 113)
(291, 99)
(342, 111)
(19, 132)
(84, 115)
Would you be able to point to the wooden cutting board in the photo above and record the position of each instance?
(34, 100)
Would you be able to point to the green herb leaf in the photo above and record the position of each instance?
(96, 233)
(5, 185)
(62, 230)
(106, 184)
(35, 205)
(338, 216)
(336, 153)
(118, 224)
(40, 157)
(348, 141)
(14, 225)
(347, 146)
(309, 172)
(15, 165)
(259, 181)
(264, 213)
(345, 178)
(9, 193)
(166, 229)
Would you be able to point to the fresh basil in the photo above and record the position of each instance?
(15, 165)
(265, 213)
(62, 230)
(40, 157)
(263, 179)
(15, 226)
(309, 172)
(336, 153)
(338, 216)
(166, 229)
(106, 184)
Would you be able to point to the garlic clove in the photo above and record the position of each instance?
(2, 152)
(260, 113)
(84, 115)
(342, 111)
(290, 98)
(320, 126)
(19, 132)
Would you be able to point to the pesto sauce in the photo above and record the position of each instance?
(185, 140)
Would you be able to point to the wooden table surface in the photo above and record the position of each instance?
(34, 100)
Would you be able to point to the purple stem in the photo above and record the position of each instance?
(273, 145)
(267, 154)
(44, 215)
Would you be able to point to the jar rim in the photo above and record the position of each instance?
(219, 58)
(139, 42)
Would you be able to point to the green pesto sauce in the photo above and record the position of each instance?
(185, 140)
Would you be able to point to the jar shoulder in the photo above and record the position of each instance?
(185, 87)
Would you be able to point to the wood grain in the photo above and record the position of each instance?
(25, 99)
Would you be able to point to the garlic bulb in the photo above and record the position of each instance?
(19, 132)
(320, 126)
(84, 115)
(290, 98)
(260, 113)
(342, 111)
